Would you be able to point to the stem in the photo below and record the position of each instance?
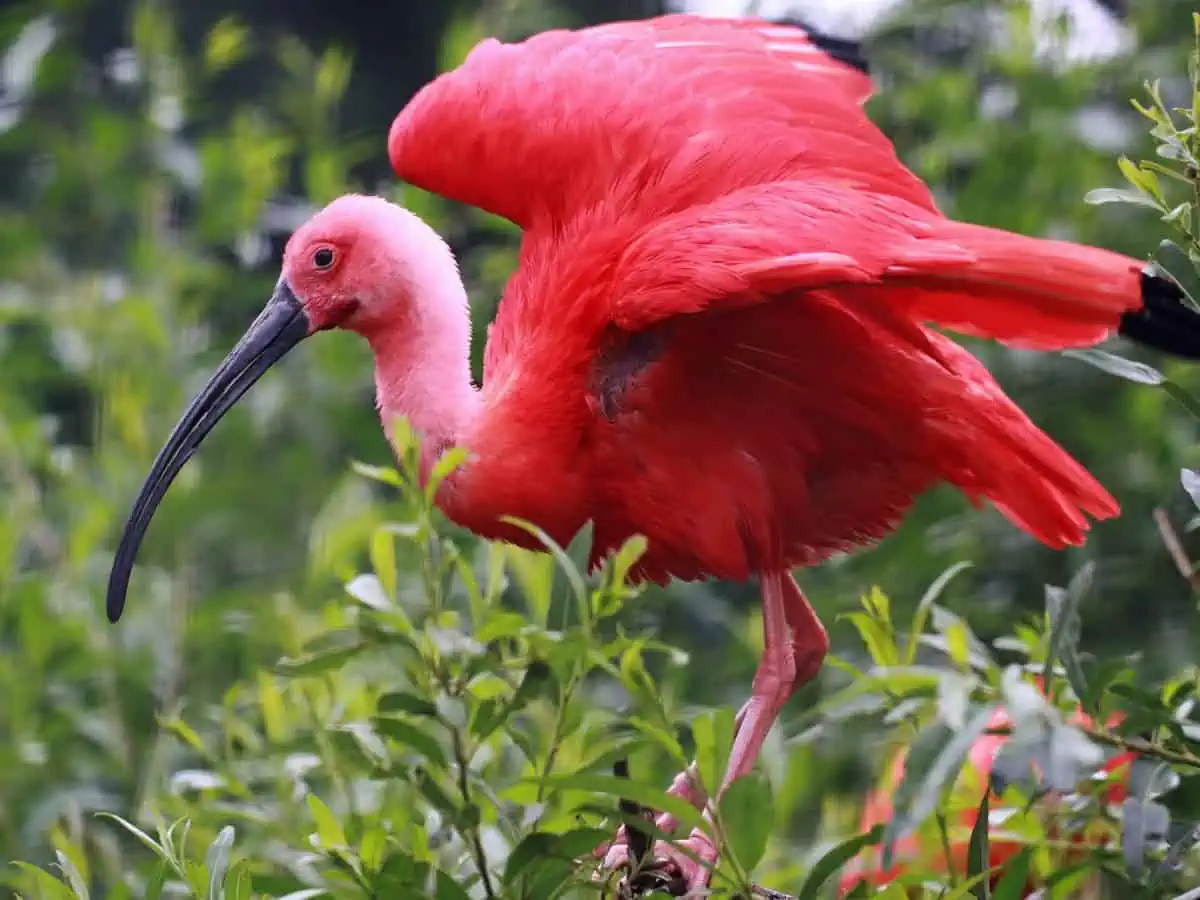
(560, 721)
(944, 831)
(472, 835)
(1128, 744)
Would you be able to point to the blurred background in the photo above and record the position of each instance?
(154, 157)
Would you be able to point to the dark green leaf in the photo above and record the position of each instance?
(978, 857)
(412, 737)
(321, 661)
(405, 702)
(542, 845)
(490, 716)
(1062, 608)
(921, 755)
(942, 771)
(835, 860)
(1016, 873)
(432, 791)
(449, 889)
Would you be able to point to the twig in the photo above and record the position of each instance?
(1175, 549)
(1128, 744)
(464, 789)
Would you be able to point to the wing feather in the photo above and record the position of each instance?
(679, 108)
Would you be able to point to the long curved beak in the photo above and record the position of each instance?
(280, 327)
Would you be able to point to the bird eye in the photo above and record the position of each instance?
(323, 258)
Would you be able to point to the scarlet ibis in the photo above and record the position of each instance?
(720, 331)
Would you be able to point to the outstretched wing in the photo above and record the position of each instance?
(675, 110)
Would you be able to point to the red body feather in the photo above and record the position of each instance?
(706, 204)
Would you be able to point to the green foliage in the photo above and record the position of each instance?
(423, 714)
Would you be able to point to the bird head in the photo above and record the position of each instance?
(356, 264)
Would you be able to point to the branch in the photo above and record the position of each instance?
(1175, 549)
(1129, 744)
(464, 788)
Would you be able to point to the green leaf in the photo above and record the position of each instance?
(383, 561)
(1117, 365)
(1144, 180)
(573, 575)
(644, 795)
(450, 460)
(217, 861)
(449, 889)
(321, 661)
(412, 737)
(405, 702)
(541, 845)
(1099, 196)
(713, 732)
(239, 885)
(835, 860)
(1016, 873)
(156, 882)
(46, 886)
(1062, 609)
(383, 474)
(329, 829)
(978, 857)
(538, 677)
(748, 815)
(364, 742)
(74, 879)
(631, 551)
(921, 615)
(157, 848)
(932, 765)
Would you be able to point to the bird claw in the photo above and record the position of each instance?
(680, 868)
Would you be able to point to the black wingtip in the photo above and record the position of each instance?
(1165, 322)
(842, 49)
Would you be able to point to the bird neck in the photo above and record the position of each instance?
(423, 372)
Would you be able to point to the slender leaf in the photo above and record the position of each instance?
(835, 860)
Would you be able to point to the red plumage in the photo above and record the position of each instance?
(720, 334)
(713, 188)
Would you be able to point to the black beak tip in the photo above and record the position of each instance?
(282, 324)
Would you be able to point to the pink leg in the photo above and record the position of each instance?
(794, 646)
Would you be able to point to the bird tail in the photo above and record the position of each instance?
(1164, 321)
(1046, 294)
(1006, 459)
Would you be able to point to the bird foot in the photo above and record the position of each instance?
(681, 868)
